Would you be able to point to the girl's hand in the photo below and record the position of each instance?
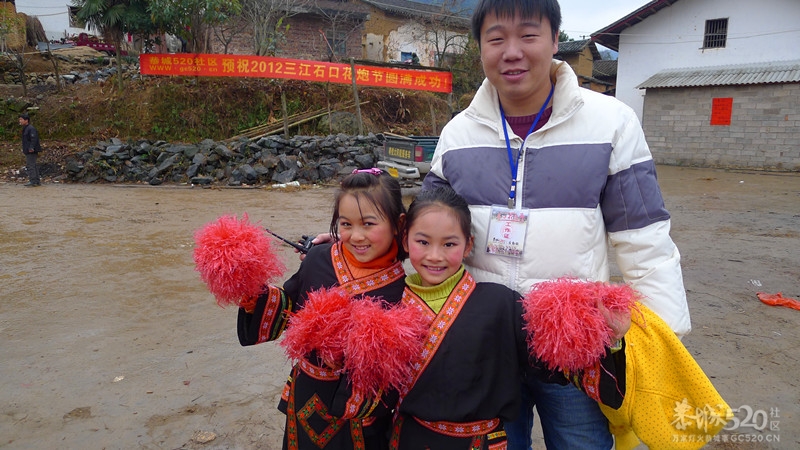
(618, 321)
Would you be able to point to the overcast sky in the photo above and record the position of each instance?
(583, 17)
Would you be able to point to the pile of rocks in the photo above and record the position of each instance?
(73, 77)
(266, 160)
(94, 67)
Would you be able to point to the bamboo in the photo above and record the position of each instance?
(278, 126)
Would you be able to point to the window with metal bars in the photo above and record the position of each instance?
(338, 43)
(716, 33)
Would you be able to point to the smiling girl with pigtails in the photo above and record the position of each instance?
(339, 315)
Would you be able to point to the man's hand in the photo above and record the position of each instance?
(318, 239)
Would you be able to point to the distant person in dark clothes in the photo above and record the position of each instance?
(31, 149)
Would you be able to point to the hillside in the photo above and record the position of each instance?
(186, 109)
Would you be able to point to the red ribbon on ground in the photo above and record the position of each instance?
(778, 300)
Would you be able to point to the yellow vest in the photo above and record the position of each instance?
(669, 400)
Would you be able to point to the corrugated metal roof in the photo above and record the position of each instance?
(753, 73)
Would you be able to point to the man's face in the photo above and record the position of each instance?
(23, 122)
(516, 55)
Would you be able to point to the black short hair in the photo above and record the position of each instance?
(380, 189)
(443, 196)
(24, 116)
(510, 8)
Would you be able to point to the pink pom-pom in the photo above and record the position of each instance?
(566, 330)
(319, 326)
(235, 259)
(381, 344)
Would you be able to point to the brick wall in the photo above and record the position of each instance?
(303, 40)
(764, 132)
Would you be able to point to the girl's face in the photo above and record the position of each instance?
(436, 244)
(362, 229)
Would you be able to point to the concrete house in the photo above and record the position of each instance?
(716, 83)
(399, 29)
(365, 29)
(582, 56)
(322, 30)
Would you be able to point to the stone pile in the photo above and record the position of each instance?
(97, 68)
(73, 77)
(263, 161)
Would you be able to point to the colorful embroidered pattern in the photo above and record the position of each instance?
(499, 446)
(461, 429)
(591, 382)
(372, 282)
(357, 435)
(291, 419)
(316, 372)
(359, 407)
(274, 320)
(441, 323)
(314, 406)
(394, 440)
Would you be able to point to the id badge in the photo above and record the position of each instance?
(506, 235)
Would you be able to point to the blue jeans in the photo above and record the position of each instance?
(570, 419)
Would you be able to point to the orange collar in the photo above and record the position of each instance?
(360, 269)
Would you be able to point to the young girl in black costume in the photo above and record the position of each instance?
(365, 260)
(467, 379)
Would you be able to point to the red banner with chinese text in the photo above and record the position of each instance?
(210, 65)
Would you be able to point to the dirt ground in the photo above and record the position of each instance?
(111, 341)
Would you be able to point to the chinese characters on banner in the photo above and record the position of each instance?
(211, 65)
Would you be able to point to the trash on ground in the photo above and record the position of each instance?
(778, 300)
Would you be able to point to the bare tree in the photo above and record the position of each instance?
(447, 31)
(341, 23)
(268, 20)
(225, 32)
(20, 60)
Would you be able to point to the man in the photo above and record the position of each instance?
(31, 149)
(572, 166)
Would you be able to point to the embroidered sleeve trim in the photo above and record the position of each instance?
(274, 320)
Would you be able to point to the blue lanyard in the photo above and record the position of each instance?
(515, 163)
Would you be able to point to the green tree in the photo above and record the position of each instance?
(193, 20)
(112, 18)
(563, 37)
(467, 74)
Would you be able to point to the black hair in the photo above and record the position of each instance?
(382, 191)
(24, 116)
(441, 196)
(510, 8)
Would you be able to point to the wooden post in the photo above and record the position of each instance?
(355, 95)
(433, 119)
(285, 112)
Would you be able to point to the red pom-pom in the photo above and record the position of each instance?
(381, 344)
(235, 259)
(319, 326)
(566, 330)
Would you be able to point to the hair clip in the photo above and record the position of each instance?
(373, 171)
